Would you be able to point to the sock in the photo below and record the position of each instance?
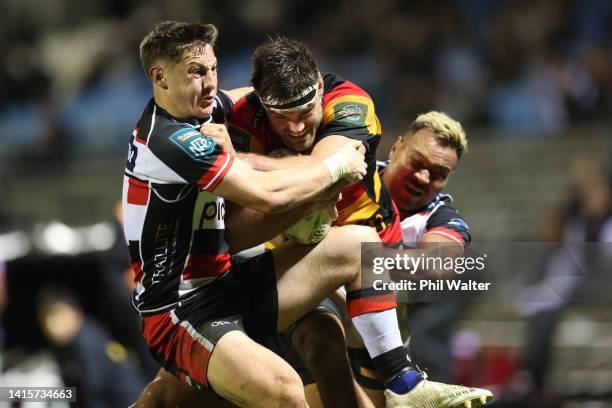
(374, 316)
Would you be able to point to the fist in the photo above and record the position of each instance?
(219, 134)
(354, 155)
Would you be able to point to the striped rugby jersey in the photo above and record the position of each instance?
(437, 217)
(347, 111)
(173, 224)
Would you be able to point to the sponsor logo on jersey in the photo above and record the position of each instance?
(186, 136)
(192, 142)
(209, 212)
(351, 112)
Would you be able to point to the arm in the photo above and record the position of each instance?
(322, 149)
(246, 228)
(238, 93)
(281, 190)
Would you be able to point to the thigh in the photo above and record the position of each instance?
(247, 373)
(307, 274)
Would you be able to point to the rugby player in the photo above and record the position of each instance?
(197, 303)
(419, 166)
(294, 106)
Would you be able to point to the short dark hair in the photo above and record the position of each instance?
(170, 39)
(282, 68)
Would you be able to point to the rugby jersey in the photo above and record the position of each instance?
(173, 223)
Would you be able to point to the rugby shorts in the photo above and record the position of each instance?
(244, 298)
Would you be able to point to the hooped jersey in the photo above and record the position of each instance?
(173, 223)
(347, 111)
(437, 217)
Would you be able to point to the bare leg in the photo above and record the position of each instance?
(250, 375)
(306, 274)
(312, 396)
(166, 391)
(319, 339)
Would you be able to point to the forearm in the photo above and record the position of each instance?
(246, 228)
(290, 187)
(267, 163)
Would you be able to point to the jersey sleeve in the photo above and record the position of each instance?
(447, 222)
(187, 156)
(350, 112)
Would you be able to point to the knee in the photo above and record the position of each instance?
(320, 339)
(346, 248)
(285, 390)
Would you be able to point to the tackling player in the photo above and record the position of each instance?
(419, 166)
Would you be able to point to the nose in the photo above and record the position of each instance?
(422, 177)
(209, 81)
(295, 128)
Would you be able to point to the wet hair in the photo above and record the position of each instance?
(170, 39)
(282, 69)
(448, 132)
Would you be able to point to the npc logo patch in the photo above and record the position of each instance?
(192, 142)
(354, 113)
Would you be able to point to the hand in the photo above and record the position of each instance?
(327, 200)
(219, 134)
(353, 153)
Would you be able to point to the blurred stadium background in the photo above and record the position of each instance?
(530, 80)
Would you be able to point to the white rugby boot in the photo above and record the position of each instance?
(430, 394)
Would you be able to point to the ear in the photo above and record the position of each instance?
(156, 73)
(321, 85)
(395, 148)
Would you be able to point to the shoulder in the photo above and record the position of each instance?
(445, 218)
(248, 124)
(347, 106)
(246, 111)
(223, 103)
(336, 87)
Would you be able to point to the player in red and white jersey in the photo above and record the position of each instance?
(419, 166)
(200, 307)
(421, 162)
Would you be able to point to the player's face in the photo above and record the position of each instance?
(419, 169)
(297, 129)
(192, 84)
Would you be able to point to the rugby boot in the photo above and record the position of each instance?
(430, 394)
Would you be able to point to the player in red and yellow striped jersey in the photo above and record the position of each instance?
(312, 114)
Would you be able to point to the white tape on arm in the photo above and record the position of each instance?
(337, 166)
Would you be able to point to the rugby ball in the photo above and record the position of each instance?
(310, 229)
